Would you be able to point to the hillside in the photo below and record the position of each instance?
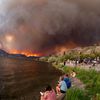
(92, 52)
(5, 54)
(85, 50)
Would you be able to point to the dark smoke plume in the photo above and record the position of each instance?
(43, 25)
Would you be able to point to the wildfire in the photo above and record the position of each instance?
(65, 48)
(26, 53)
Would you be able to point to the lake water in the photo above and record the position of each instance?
(22, 79)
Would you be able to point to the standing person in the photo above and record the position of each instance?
(49, 94)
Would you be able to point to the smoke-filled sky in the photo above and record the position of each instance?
(42, 26)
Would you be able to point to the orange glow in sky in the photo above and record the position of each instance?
(9, 38)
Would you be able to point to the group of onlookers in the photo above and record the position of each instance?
(85, 61)
(63, 85)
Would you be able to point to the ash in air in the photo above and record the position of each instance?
(44, 25)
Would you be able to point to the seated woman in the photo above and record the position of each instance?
(49, 94)
(63, 89)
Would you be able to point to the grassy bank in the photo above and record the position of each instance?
(90, 78)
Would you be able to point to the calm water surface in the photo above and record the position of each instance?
(22, 79)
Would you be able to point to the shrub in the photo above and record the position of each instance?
(76, 94)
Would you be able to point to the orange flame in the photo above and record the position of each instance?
(26, 53)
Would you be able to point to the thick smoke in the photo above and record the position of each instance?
(43, 25)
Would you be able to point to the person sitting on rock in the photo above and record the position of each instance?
(63, 89)
(67, 80)
(49, 94)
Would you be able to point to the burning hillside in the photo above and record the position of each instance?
(26, 53)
